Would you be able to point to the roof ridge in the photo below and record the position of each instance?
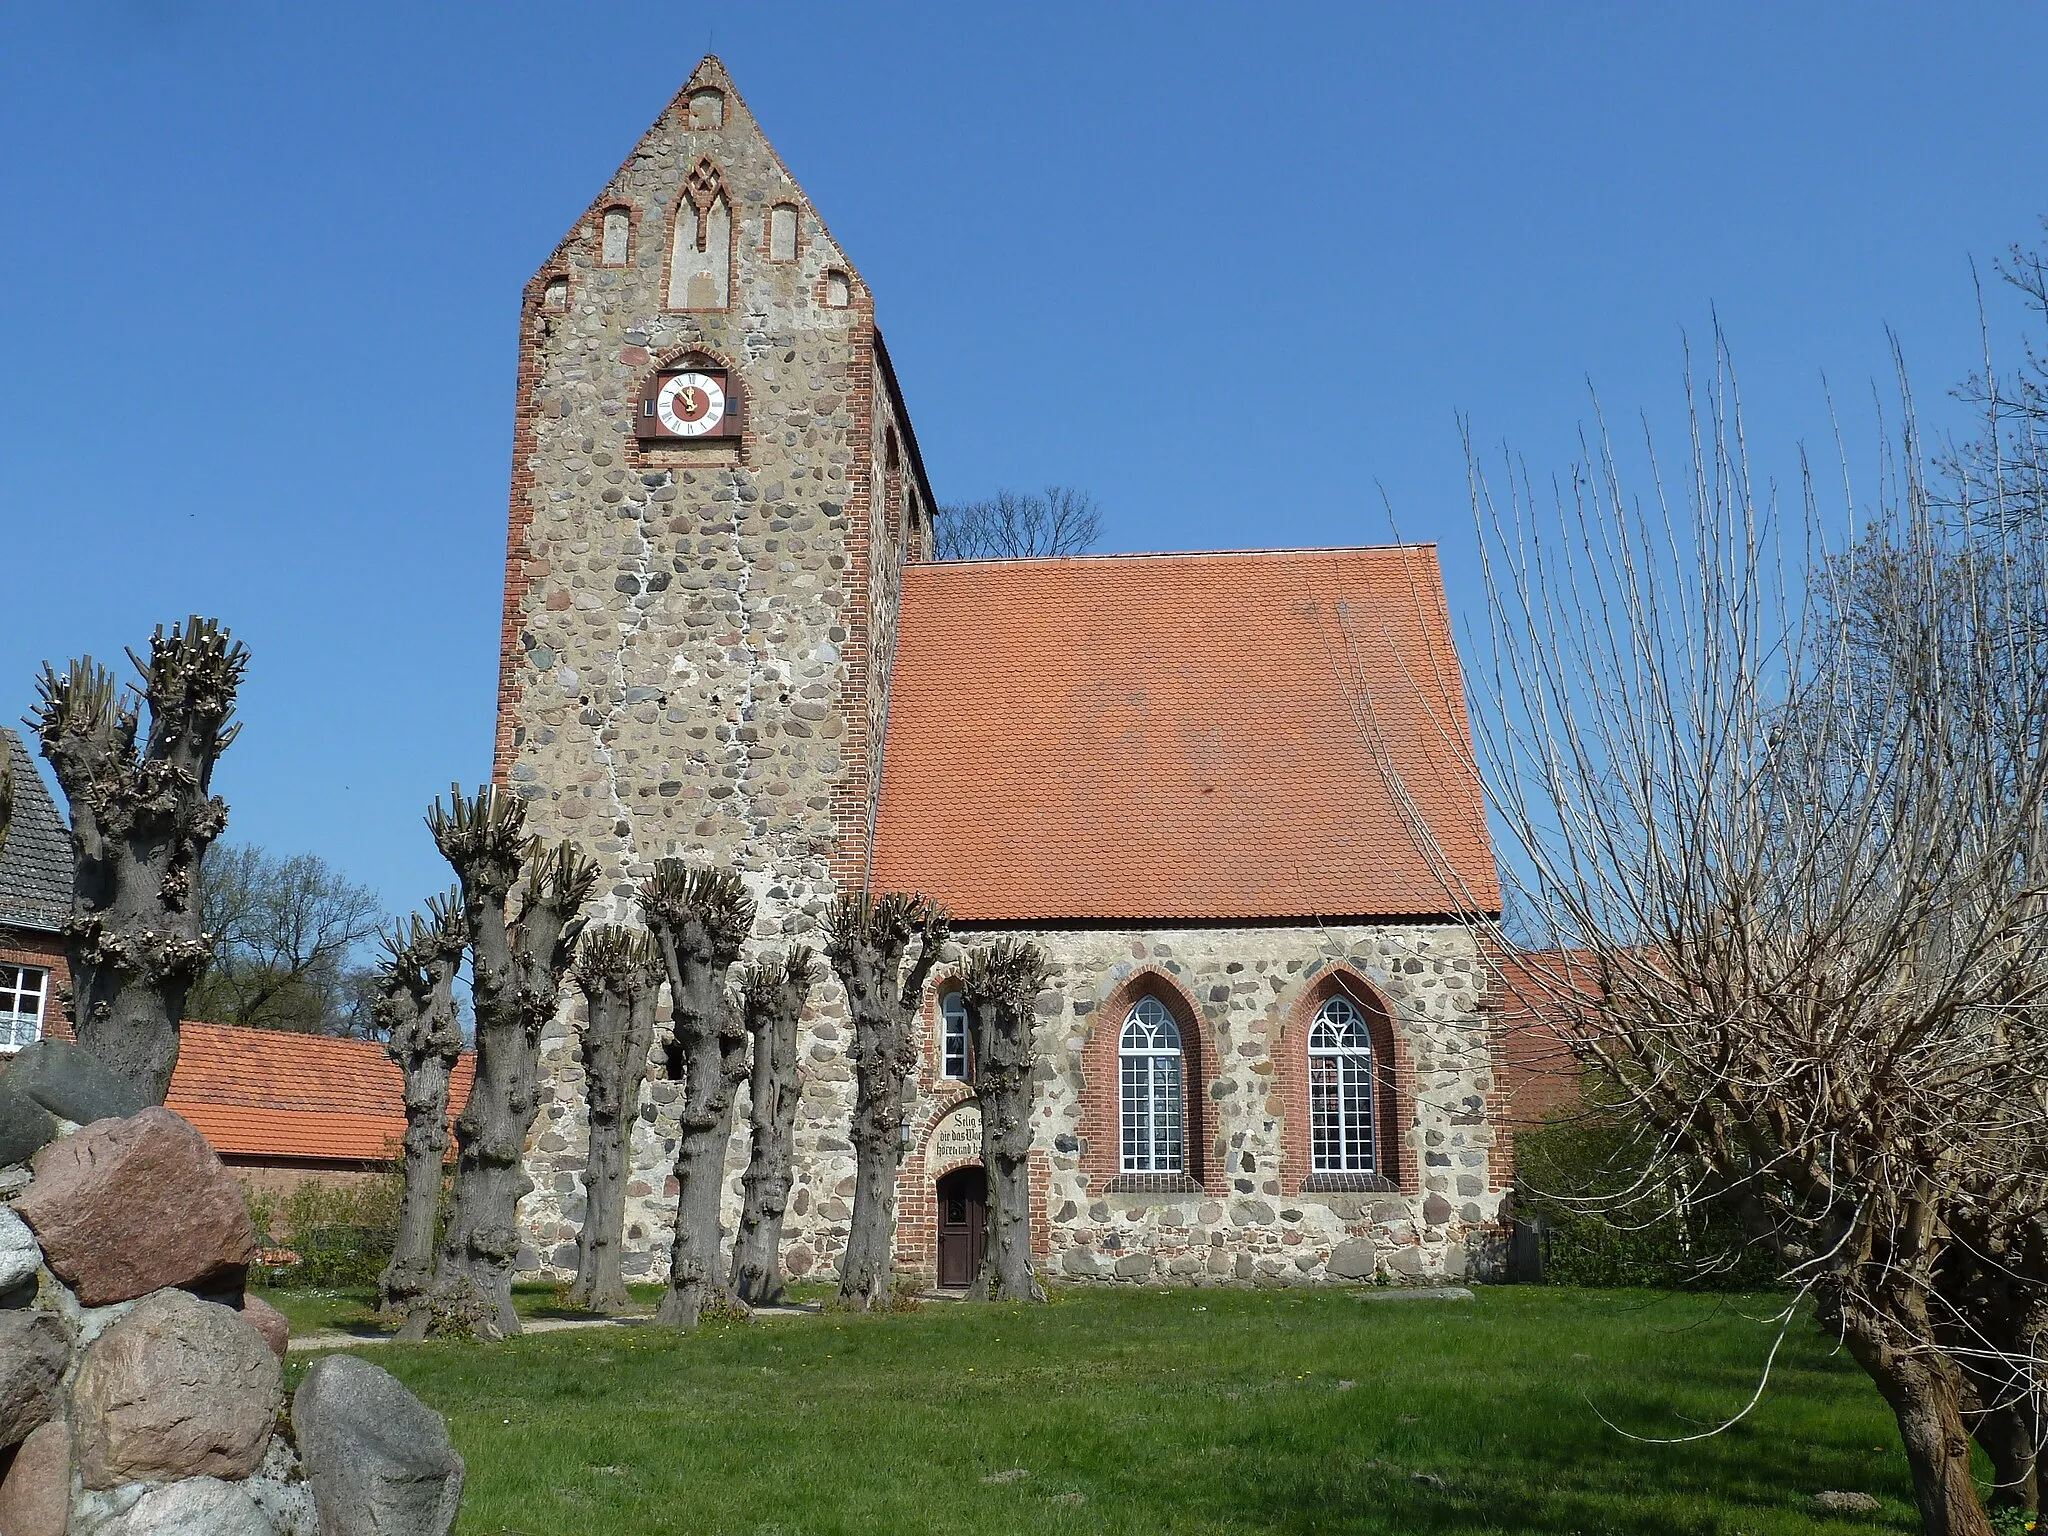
(1399, 546)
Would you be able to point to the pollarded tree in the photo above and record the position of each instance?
(142, 817)
(867, 939)
(773, 997)
(516, 965)
(415, 1011)
(699, 918)
(1000, 985)
(620, 972)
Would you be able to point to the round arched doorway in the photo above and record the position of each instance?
(963, 1225)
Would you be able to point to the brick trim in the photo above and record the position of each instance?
(852, 795)
(1101, 1081)
(1395, 1128)
(533, 334)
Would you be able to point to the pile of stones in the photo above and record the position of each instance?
(141, 1387)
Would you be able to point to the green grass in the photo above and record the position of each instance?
(1189, 1411)
(314, 1310)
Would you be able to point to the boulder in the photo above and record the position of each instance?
(34, 1349)
(379, 1459)
(1353, 1260)
(25, 1126)
(197, 1506)
(268, 1321)
(72, 1083)
(178, 1388)
(35, 1496)
(281, 1491)
(19, 1254)
(126, 1207)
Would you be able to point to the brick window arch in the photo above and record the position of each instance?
(1356, 1044)
(1103, 1087)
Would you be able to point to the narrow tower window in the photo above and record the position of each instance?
(838, 292)
(782, 232)
(555, 297)
(700, 266)
(618, 237)
(953, 1036)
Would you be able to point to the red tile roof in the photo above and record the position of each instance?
(268, 1093)
(1181, 736)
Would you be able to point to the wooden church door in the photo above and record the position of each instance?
(963, 1226)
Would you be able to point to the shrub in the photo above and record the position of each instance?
(1580, 1179)
(342, 1234)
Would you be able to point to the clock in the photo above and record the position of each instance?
(686, 404)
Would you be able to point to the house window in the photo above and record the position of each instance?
(1149, 1062)
(23, 990)
(1340, 1090)
(953, 1053)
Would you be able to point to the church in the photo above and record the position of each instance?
(1231, 795)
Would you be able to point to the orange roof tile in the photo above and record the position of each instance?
(1181, 737)
(270, 1093)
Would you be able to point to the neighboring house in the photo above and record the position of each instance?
(35, 899)
(1540, 994)
(1231, 795)
(281, 1108)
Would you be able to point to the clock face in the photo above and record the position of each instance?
(690, 404)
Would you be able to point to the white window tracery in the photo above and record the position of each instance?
(1150, 1090)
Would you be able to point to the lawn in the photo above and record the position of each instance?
(1185, 1411)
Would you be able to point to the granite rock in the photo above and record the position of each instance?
(35, 1496)
(34, 1349)
(268, 1321)
(178, 1388)
(72, 1083)
(25, 1126)
(194, 1506)
(19, 1255)
(126, 1207)
(379, 1459)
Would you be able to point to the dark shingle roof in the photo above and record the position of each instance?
(35, 865)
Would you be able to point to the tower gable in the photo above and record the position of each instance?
(694, 657)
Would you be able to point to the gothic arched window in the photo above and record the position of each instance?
(1149, 1074)
(953, 1052)
(1340, 1090)
(700, 263)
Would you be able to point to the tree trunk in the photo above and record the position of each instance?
(700, 919)
(1925, 1392)
(141, 821)
(868, 940)
(620, 974)
(516, 973)
(1001, 986)
(775, 998)
(423, 1036)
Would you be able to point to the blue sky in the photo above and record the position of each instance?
(265, 264)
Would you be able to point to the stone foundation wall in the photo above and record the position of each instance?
(1249, 1212)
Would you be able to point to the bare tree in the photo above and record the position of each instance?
(1811, 890)
(620, 972)
(773, 997)
(416, 1016)
(283, 931)
(1000, 984)
(142, 816)
(1020, 525)
(516, 965)
(699, 918)
(867, 939)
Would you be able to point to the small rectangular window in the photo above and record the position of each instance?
(953, 1044)
(24, 989)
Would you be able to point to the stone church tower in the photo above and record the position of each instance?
(1265, 1054)
(695, 654)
